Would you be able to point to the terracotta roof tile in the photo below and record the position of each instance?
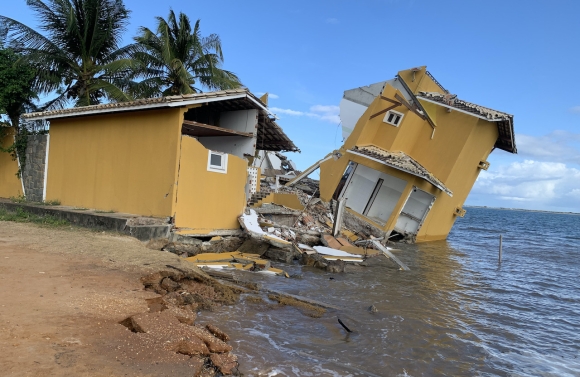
(403, 162)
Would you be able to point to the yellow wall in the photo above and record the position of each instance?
(125, 162)
(10, 184)
(286, 200)
(461, 180)
(207, 200)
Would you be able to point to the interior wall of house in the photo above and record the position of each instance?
(241, 121)
(208, 200)
(10, 184)
(122, 162)
(414, 211)
(387, 198)
(362, 185)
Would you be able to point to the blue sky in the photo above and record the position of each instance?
(517, 57)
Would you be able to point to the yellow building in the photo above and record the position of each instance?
(186, 157)
(10, 184)
(412, 154)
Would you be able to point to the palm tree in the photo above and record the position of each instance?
(178, 60)
(77, 55)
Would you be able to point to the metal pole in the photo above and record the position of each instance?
(500, 245)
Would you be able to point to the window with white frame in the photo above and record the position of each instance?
(217, 162)
(393, 117)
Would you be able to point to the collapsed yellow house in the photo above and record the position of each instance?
(188, 157)
(412, 154)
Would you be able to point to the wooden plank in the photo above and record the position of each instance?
(383, 111)
(390, 100)
(331, 242)
(408, 106)
(388, 254)
(208, 130)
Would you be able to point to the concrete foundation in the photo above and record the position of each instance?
(90, 219)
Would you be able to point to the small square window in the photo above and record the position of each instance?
(393, 117)
(217, 162)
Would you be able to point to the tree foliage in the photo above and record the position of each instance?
(16, 92)
(16, 97)
(177, 59)
(75, 51)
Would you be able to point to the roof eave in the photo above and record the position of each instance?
(431, 181)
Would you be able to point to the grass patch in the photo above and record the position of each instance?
(22, 216)
(55, 202)
(22, 199)
(18, 199)
(80, 209)
(98, 211)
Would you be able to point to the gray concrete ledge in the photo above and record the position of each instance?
(94, 220)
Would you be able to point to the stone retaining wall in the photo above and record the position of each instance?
(33, 175)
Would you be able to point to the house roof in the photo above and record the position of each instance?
(505, 121)
(400, 161)
(145, 103)
(270, 134)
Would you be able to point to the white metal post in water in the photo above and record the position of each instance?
(500, 242)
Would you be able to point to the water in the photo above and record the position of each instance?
(456, 313)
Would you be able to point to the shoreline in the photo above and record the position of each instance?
(524, 210)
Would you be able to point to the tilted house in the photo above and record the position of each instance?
(412, 154)
(187, 157)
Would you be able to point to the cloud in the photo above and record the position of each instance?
(543, 184)
(575, 109)
(270, 95)
(557, 146)
(328, 113)
(278, 110)
(332, 21)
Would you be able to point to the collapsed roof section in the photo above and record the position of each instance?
(270, 135)
(505, 141)
(402, 162)
(355, 102)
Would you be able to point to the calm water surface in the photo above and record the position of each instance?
(456, 313)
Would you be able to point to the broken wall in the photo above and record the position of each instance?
(208, 200)
(241, 121)
(10, 184)
(123, 162)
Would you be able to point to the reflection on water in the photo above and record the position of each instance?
(456, 313)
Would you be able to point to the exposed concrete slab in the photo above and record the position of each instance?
(95, 220)
(148, 232)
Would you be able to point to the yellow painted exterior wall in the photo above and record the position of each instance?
(286, 200)
(124, 162)
(208, 200)
(460, 142)
(10, 184)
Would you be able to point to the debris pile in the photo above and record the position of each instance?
(314, 232)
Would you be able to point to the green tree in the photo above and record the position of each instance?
(178, 60)
(16, 97)
(16, 92)
(77, 55)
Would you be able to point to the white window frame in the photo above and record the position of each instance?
(224, 166)
(385, 119)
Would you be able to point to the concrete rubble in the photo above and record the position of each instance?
(274, 232)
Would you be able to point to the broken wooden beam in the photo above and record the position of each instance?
(201, 129)
(388, 254)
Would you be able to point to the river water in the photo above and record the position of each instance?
(458, 312)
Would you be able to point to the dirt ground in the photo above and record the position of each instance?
(63, 293)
